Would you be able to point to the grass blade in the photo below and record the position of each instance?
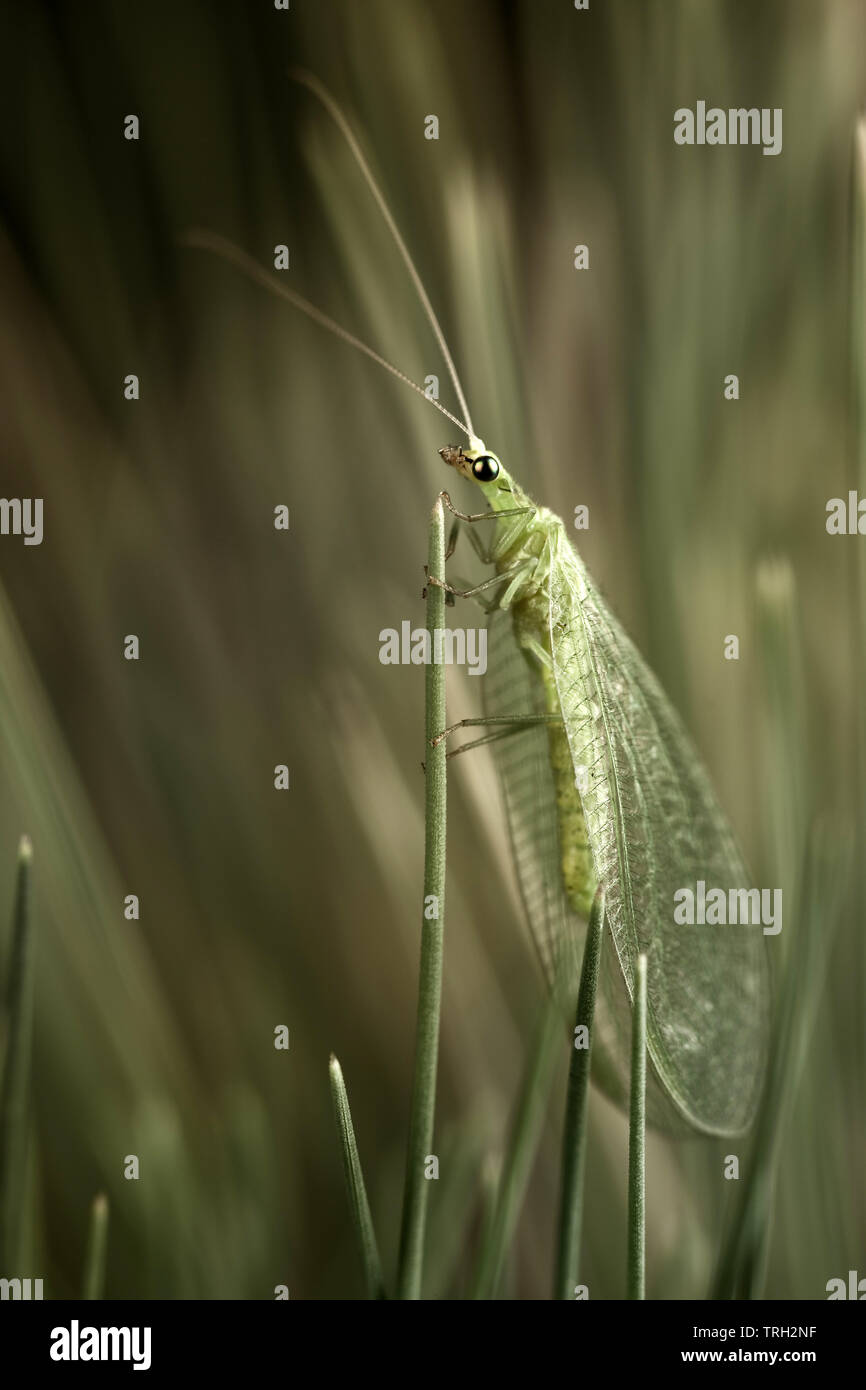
(574, 1133)
(15, 1089)
(858, 433)
(636, 1277)
(358, 1203)
(416, 1188)
(858, 299)
(743, 1258)
(522, 1145)
(97, 1248)
(808, 872)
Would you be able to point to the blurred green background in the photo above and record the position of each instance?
(258, 647)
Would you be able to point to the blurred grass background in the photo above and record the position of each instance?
(259, 647)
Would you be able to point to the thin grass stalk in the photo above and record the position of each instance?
(15, 1088)
(742, 1262)
(358, 1204)
(636, 1273)
(741, 1268)
(576, 1106)
(97, 1250)
(858, 312)
(520, 1153)
(417, 1187)
(858, 396)
(490, 1176)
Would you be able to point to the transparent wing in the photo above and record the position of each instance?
(654, 827)
(558, 932)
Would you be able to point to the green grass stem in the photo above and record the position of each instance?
(97, 1249)
(858, 299)
(799, 954)
(577, 1100)
(417, 1186)
(520, 1154)
(858, 433)
(742, 1264)
(358, 1203)
(15, 1087)
(636, 1271)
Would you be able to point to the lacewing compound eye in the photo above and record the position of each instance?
(486, 468)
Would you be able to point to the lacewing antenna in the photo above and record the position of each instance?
(204, 240)
(221, 246)
(336, 113)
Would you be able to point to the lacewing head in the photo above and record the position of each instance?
(475, 463)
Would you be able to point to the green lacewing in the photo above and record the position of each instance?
(601, 784)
